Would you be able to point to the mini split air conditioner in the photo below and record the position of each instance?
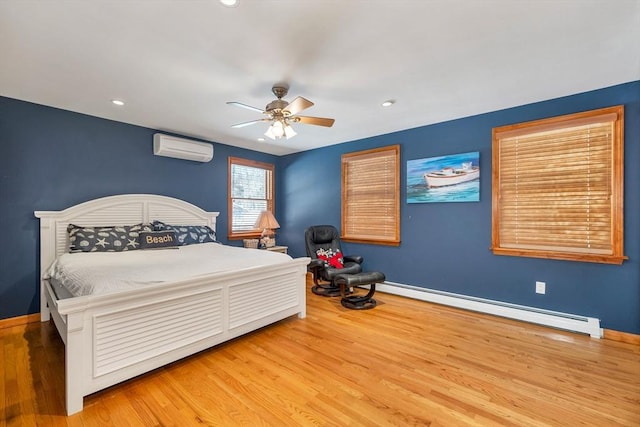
(179, 148)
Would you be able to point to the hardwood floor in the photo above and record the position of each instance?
(403, 363)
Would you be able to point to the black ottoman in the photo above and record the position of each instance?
(358, 302)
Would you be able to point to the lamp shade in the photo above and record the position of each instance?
(266, 220)
(289, 132)
(277, 128)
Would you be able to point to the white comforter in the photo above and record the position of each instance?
(104, 272)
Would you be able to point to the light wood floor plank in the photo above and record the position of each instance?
(403, 363)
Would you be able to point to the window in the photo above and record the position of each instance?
(250, 192)
(558, 187)
(371, 196)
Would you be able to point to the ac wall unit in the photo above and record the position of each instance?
(180, 148)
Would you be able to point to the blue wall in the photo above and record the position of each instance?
(445, 246)
(51, 159)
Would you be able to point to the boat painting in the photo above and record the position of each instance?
(452, 178)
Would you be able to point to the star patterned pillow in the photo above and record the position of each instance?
(117, 238)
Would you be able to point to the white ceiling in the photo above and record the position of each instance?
(177, 63)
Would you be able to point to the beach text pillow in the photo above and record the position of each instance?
(158, 239)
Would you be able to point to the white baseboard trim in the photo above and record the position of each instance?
(569, 322)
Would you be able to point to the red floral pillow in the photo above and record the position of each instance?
(331, 258)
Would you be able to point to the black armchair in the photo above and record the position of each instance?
(324, 241)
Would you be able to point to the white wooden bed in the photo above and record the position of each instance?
(110, 338)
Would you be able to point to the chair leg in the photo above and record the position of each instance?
(360, 302)
(326, 289)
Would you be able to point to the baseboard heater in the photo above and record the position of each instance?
(570, 322)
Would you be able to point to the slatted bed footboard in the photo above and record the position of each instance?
(114, 337)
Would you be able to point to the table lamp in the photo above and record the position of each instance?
(268, 223)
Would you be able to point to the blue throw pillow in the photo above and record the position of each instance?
(187, 234)
(118, 238)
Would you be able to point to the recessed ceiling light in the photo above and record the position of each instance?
(117, 102)
(388, 103)
(260, 139)
(229, 3)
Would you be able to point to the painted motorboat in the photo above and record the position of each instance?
(452, 176)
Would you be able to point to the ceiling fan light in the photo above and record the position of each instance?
(289, 132)
(269, 133)
(277, 129)
(280, 114)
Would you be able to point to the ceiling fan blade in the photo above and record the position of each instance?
(318, 121)
(252, 122)
(298, 105)
(248, 107)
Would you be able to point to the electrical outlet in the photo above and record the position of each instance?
(541, 287)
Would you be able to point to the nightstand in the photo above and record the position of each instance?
(282, 249)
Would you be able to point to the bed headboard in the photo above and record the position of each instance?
(125, 209)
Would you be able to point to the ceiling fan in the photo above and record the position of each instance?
(282, 113)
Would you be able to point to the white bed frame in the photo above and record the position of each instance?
(114, 337)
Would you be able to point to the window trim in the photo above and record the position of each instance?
(270, 200)
(613, 114)
(395, 240)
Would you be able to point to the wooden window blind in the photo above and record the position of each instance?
(558, 187)
(371, 196)
(250, 192)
